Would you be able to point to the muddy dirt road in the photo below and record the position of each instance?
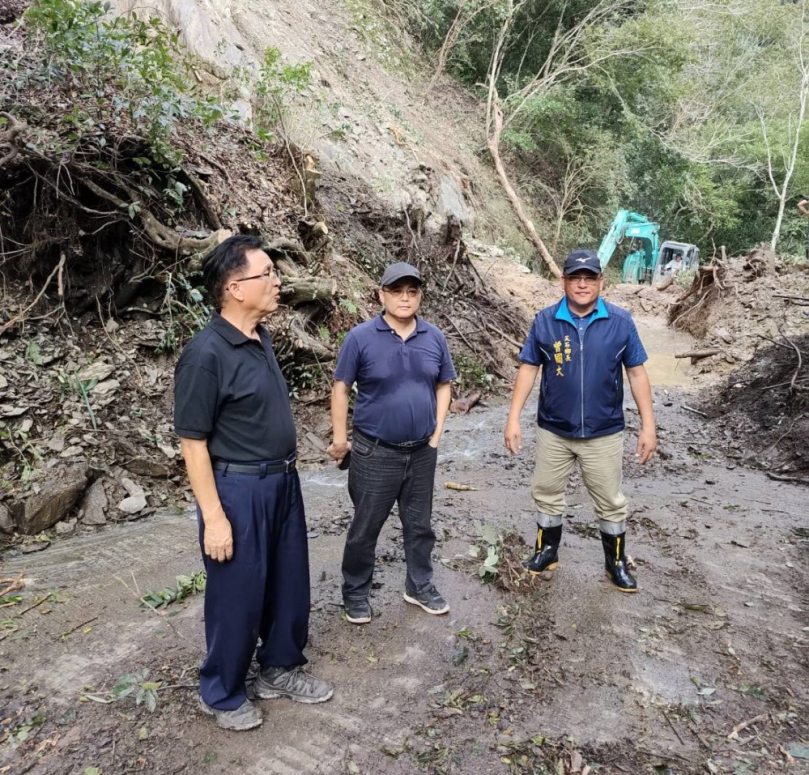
(552, 677)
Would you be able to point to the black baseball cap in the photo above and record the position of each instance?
(582, 259)
(400, 271)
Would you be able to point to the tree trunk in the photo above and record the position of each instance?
(528, 226)
(305, 288)
(790, 167)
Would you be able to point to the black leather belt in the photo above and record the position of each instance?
(255, 469)
(406, 446)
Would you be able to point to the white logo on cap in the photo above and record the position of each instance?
(583, 260)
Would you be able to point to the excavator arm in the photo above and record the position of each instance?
(639, 264)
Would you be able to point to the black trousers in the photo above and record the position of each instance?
(263, 592)
(378, 478)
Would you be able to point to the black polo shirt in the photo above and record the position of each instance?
(229, 390)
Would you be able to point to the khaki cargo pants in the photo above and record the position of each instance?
(601, 463)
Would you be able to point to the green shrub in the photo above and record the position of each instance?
(124, 68)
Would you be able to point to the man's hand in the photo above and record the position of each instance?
(513, 437)
(217, 537)
(647, 444)
(337, 451)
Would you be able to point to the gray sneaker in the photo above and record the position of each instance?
(296, 684)
(358, 611)
(246, 716)
(429, 600)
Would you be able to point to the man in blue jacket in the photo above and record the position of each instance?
(581, 344)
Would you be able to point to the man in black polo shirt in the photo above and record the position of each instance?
(403, 371)
(237, 436)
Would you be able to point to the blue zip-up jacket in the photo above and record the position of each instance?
(582, 387)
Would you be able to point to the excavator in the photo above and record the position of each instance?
(647, 261)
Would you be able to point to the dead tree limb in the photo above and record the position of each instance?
(493, 143)
(9, 136)
(790, 479)
(160, 235)
(305, 288)
(203, 202)
(696, 355)
(19, 318)
(800, 300)
(800, 360)
(290, 248)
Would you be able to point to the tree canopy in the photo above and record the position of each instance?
(689, 112)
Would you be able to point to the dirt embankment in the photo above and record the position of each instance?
(104, 229)
(751, 314)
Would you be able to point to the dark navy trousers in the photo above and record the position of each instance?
(263, 592)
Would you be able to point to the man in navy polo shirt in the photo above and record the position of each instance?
(582, 344)
(403, 371)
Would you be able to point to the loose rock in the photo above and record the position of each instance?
(6, 522)
(145, 467)
(57, 495)
(95, 505)
(133, 504)
(133, 489)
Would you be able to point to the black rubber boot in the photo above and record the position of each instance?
(545, 552)
(614, 553)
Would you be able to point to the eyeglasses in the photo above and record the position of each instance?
(587, 279)
(408, 291)
(267, 275)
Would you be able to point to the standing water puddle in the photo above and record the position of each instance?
(661, 344)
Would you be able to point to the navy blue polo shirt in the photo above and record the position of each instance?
(229, 390)
(396, 379)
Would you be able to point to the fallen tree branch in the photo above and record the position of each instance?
(305, 288)
(673, 728)
(776, 343)
(21, 316)
(505, 336)
(77, 627)
(494, 329)
(696, 355)
(694, 411)
(454, 261)
(784, 434)
(800, 360)
(13, 584)
(493, 142)
(290, 248)
(460, 333)
(33, 605)
(802, 300)
(739, 727)
(215, 163)
(790, 479)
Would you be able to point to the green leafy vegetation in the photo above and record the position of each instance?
(472, 374)
(135, 685)
(145, 691)
(123, 67)
(185, 587)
